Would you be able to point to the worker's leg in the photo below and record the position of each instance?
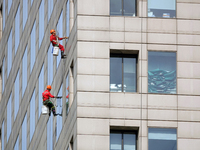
(61, 48)
(52, 107)
(46, 104)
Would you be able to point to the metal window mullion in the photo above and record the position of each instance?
(122, 74)
(122, 141)
(122, 7)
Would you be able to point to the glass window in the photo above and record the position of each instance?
(25, 12)
(24, 133)
(3, 75)
(122, 140)
(161, 72)
(32, 115)
(162, 8)
(16, 94)
(2, 136)
(60, 34)
(4, 13)
(122, 73)
(67, 93)
(17, 28)
(9, 55)
(41, 89)
(162, 138)
(32, 47)
(67, 19)
(50, 65)
(32, 2)
(41, 22)
(9, 5)
(59, 111)
(9, 116)
(50, 133)
(17, 144)
(123, 7)
(50, 8)
(24, 71)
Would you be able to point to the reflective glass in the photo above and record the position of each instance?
(3, 75)
(60, 34)
(59, 111)
(162, 138)
(32, 115)
(41, 22)
(162, 8)
(9, 116)
(129, 141)
(115, 141)
(24, 133)
(9, 5)
(67, 19)
(2, 136)
(50, 133)
(32, 47)
(129, 74)
(116, 7)
(41, 89)
(9, 55)
(50, 65)
(162, 72)
(50, 8)
(16, 94)
(129, 8)
(24, 71)
(4, 13)
(17, 144)
(115, 74)
(25, 12)
(32, 2)
(67, 93)
(17, 28)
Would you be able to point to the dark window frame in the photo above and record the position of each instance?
(120, 55)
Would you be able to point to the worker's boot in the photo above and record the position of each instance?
(62, 54)
(54, 113)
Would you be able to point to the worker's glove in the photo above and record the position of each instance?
(59, 97)
(66, 37)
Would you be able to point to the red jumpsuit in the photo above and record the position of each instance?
(46, 94)
(52, 37)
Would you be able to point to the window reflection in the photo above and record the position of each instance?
(162, 72)
(24, 133)
(162, 138)
(162, 8)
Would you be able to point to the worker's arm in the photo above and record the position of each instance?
(62, 38)
(51, 95)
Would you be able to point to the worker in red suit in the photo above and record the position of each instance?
(46, 101)
(54, 40)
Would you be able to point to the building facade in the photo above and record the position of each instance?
(130, 81)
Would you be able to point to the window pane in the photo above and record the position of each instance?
(17, 28)
(50, 8)
(50, 65)
(60, 34)
(9, 5)
(24, 133)
(59, 111)
(41, 89)
(24, 71)
(16, 94)
(162, 138)
(129, 8)
(162, 8)
(32, 2)
(17, 144)
(67, 93)
(115, 74)
(9, 116)
(32, 47)
(129, 142)
(3, 74)
(115, 141)
(32, 115)
(2, 136)
(116, 7)
(129, 74)
(41, 22)
(67, 20)
(9, 57)
(25, 12)
(162, 72)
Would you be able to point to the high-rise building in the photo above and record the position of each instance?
(130, 80)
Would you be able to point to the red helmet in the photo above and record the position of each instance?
(49, 87)
(52, 30)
